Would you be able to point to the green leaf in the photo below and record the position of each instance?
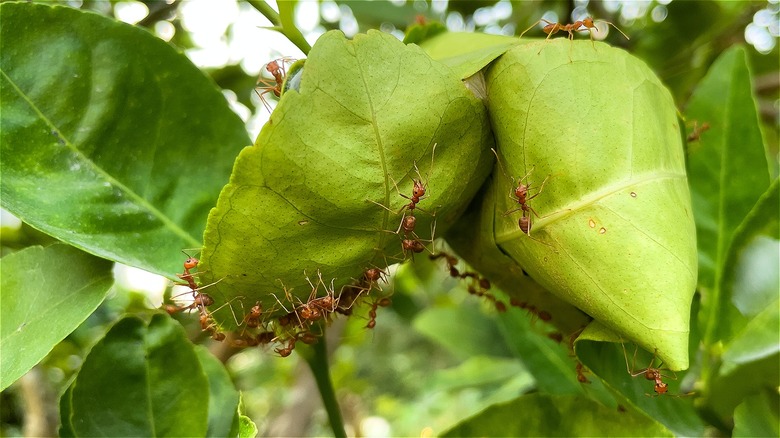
(418, 33)
(66, 429)
(463, 331)
(609, 361)
(728, 172)
(141, 380)
(479, 370)
(304, 200)
(595, 135)
(545, 415)
(467, 53)
(473, 238)
(105, 133)
(46, 294)
(247, 428)
(223, 396)
(547, 360)
(749, 282)
(758, 416)
(759, 339)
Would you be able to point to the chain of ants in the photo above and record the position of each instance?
(296, 325)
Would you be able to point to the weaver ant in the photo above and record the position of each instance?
(190, 263)
(651, 373)
(551, 28)
(278, 71)
(697, 131)
(383, 302)
(252, 319)
(284, 352)
(581, 373)
(520, 194)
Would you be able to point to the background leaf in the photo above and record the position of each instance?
(675, 410)
(305, 198)
(751, 278)
(163, 387)
(223, 397)
(723, 191)
(46, 294)
(546, 415)
(758, 416)
(119, 148)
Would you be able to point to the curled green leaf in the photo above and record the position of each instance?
(320, 193)
(593, 134)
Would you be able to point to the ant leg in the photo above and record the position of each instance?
(532, 26)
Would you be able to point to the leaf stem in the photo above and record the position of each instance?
(267, 11)
(283, 21)
(317, 358)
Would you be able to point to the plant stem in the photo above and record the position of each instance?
(317, 358)
(267, 11)
(283, 21)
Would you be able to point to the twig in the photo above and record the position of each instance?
(317, 358)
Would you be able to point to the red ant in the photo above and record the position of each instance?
(651, 373)
(521, 196)
(551, 28)
(581, 373)
(252, 319)
(277, 70)
(697, 131)
(190, 263)
(284, 352)
(383, 302)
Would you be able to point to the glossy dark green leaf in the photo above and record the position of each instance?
(599, 130)
(223, 396)
(758, 416)
(66, 430)
(141, 380)
(675, 410)
(728, 172)
(751, 276)
(547, 360)
(46, 293)
(306, 198)
(111, 140)
(546, 415)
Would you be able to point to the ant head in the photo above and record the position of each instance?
(191, 262)
(419, 189)
(373, 274)
(588, 22)
(521, 191)
(660, 387)
(203, 299)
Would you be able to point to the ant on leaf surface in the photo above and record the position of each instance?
(587, 23)
(652, 373)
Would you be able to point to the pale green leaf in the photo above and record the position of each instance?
(317, 193)
(612, 230)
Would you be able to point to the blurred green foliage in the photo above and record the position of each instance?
(406, 370)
